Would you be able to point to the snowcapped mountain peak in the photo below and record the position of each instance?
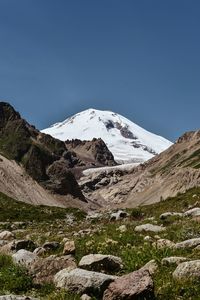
(127, 141)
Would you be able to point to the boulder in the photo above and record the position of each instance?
(163, 243)
(100, 262)
(39, 251)
(86, 297)
(136, 285)
(149, 228)
(194, 212)
(187, 271)
(69, 248)
(6, 235)
(148, 238)
(82, 281)
(173, 260)
(191, 243)
(43, 270)
(23, 244)
(120, 214)
(51, 246)
(167, 215)
(24, 257)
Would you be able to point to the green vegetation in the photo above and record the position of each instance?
(13, 278)
(12, 210)
(49, 223)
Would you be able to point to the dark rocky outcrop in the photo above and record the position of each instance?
(94, 153)
(44, 158)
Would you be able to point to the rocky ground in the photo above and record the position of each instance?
(150, 252)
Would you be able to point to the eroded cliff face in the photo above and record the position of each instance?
(174, 170)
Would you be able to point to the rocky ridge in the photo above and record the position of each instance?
(174, 170)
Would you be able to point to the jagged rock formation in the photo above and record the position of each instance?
(94, 153)
(43, 157)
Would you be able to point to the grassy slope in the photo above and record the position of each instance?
(47, 223)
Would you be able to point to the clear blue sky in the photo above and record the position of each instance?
(140, 58)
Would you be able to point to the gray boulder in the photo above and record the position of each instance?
(6, 235)
(120, 214)
(100, 262)
(187, 271)
(194, 212)
(44, 269)
(167, 215)
(191, 243)
(51, 246)
(173, 260)
(24, 257)
(82, 281)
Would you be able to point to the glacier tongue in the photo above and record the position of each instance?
(127, 141)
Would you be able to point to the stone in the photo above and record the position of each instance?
(167, 215)
(6, 235)
(149, 228)
(191, 243)
(94, 216)
(24, 257)
(151, 267)
(194, 212)
(173, 260)
(82, 281)
(40, 251)
(86, 297)
(136, 285)
(69, 248)
(23, 244)
(187, 271)
(51, 246)
(120, 214)
(163, 243)
(100, 262)
(44, 269)
(148, 238)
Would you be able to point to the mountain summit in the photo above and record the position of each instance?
(128, 142)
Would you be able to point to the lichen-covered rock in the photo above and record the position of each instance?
(187, 271)
(82, 281)
(163, 243)
(191, 243)
(69, 248)
(100, 262)
(173, 260)
(6, 235)
(134, 286)
(44, 269)
(24, 257)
